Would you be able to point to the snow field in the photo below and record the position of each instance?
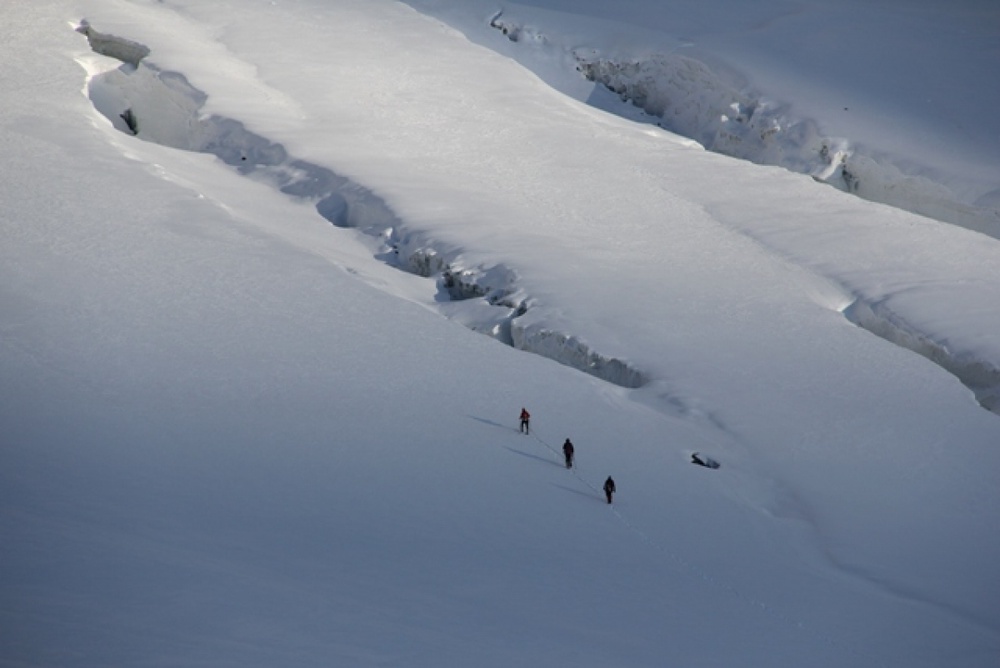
(233, 437)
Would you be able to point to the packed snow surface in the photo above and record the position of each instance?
(270, 275)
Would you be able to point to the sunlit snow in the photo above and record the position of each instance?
(276, 279)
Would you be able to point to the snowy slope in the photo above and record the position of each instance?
(236, 434)
(888, 100)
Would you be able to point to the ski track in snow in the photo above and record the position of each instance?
(759, 606)
(135, 96)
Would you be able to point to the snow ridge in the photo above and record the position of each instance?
(980, 376)
(119, 48)
(685, 96)
(164, 108)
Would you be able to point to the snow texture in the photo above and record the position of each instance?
(248, 416)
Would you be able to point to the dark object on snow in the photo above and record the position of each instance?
(609, 488)
(525, 418)
(129, 117)
(701, 460)
(568, 452)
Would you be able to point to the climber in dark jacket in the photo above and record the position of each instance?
(568, 452)
(609, 488)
